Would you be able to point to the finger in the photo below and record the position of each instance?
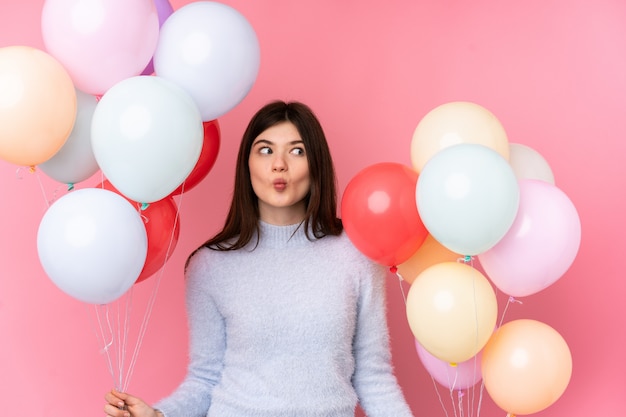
(113, 399)
(114, 411)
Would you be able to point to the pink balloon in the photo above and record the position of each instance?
(541, 244)
(462, 376)
(100, 42)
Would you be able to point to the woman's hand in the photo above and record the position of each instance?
(120, 404)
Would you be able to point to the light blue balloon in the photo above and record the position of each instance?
(467, 197)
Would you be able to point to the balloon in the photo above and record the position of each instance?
(467, 196)
(75, 162)
(208, 156)
(146, 135)
(162, 230)
(527, 163)
(541, 244)
(429, 253)
(212, 52)
(379, 213)
(100, 42)
(455, 123)
(37, 105)
(164, 10)
(526, 366)
(92, 244)
(457, 377)
(452, 309)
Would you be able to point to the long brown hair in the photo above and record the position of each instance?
(242, 221)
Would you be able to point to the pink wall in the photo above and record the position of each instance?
(552, 71)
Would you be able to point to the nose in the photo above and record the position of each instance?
(278, 164)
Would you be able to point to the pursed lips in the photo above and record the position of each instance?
(279, 184)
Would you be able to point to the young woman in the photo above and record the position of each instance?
(287, 318)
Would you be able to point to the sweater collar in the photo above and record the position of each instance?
(273, 236)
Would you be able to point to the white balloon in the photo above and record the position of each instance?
(75, 161)
(527, 163)
(212, 52)
(92, 243)
(147, 136)
(467, 197)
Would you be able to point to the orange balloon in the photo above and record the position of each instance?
(37, 105)
(452, 311)
(430, 253)
(526, 366)
(454, 123)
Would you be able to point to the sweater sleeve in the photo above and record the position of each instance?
(375, 384)
(192, 398)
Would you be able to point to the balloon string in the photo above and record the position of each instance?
(106, 340)
(400, 279)
(152, 299)
(506, 307)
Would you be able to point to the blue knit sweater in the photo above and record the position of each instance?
(291, 328)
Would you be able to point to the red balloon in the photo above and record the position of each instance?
(380, 214)
(162, 228)
(208, 156)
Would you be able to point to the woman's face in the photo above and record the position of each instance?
(279, 172)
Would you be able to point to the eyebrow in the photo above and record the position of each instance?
(269, 142)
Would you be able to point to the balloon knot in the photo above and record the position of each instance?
(32, 169)
(393, 269)
(144, 206)
(468, 258)
(453, 364)
(461, 394)
(70, 186)
(513, 300)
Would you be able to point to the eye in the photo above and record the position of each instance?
(298, 151)
(265, 150)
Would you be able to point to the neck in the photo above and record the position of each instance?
(282, 216)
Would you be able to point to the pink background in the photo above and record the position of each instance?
(552, 71)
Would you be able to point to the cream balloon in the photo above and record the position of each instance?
(455, 123)
(527, 163)
(452, 311)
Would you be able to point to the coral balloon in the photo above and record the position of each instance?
(455, 123)
(212, 52)
(92, 244)
(541, 244)
(75, 161)
(100, 43)
(467, 196)
(162, 230)
(526, 366)
(208, 156)
(380, 214)
(37, 105)
(452, 311)
(527, 163)
(429, 253)
(456, 377)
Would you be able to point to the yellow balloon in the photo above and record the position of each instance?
(455, 123)
(452, 311)
(429, 253)
(37, 105)
(526, 366)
